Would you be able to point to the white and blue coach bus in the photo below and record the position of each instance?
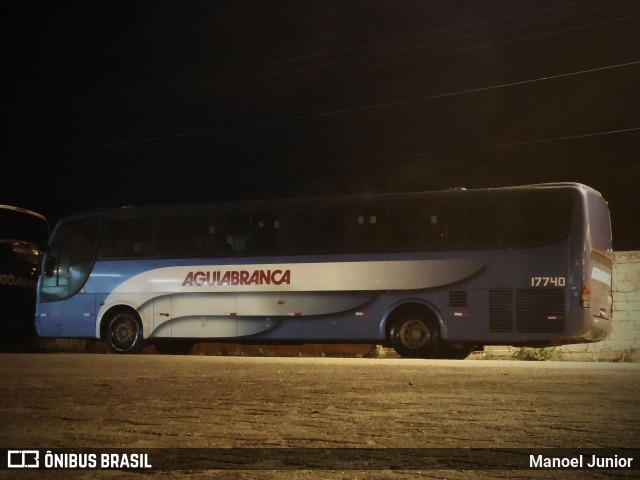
(434, 274)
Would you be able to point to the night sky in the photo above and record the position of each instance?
(111, 104)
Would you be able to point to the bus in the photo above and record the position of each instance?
(23, 233)
(433, 275)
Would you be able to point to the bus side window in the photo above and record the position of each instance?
(554, 227)
(299, 232)
(407, 228)
(484, 225)
(265, 234)
(369, 226)
(168, 236)
(184, 236)
(332, 231)
(446, 226)
(232, 234)
(532, 221)
(127, 237)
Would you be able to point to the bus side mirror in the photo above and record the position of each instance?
(50, 267)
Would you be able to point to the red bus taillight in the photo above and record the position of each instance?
(585, 297)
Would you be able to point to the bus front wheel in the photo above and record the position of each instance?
(415, 334)
(124, 332)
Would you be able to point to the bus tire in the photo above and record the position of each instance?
(124, 332)
(415, 334)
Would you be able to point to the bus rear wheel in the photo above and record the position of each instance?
(124, 332)
(415, 334)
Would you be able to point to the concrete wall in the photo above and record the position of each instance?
(626, 300)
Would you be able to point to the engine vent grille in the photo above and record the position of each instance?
(500, 311)
(458, 299)
(540, 311)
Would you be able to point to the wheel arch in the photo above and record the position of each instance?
(103, 320)
(412, 305)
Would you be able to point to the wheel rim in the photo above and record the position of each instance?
(124, 331)
(414, 334)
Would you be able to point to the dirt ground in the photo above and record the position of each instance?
(152, 401)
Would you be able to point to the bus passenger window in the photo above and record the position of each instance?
(484, 224)
(265, 234)
(529, 222)
(446, 227)
(369, 231)
(232, 234)
(184, 236)
(127, 238)
(332, 231)
(299, 232)
(406, 228)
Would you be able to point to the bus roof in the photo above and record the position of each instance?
(312, 201)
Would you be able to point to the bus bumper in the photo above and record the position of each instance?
(586, 327)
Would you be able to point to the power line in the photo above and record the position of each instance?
(423, 57)
(356, 69)
(402, 39)
(305, 167)
(452, 152)
(421, 46)
(524, 143)
(332, 113)
(337, 62)
(349, 49)
(388, 64)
